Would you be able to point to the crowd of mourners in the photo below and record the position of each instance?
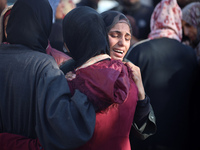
(127, 78)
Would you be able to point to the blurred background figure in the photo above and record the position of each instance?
(169, 71)
(155, 2)
(60, 9)
(140, 12)
(191, 26)
(3, 4)
(135, 30)
(59, 56)
(90, 3)
(183, 3)
(54, 5)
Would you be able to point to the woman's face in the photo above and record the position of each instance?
(119, 40)
(189, 31)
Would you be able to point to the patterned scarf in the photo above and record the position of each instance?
(166, 20)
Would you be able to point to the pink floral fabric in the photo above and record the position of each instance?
(59, 56)
(166, 20)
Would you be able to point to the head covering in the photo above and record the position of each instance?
(4, 14)
(54, 5)
(191, 15)
(112, 17)
(166, 20)
(30, 24)
(84, 33)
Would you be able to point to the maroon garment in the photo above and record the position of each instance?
(59, 56)
(17, 142)
(108, 83)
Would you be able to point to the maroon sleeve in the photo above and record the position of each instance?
(10, 141)
(103, 83)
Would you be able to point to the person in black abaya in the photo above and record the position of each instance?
(35, 98)
(169, 71)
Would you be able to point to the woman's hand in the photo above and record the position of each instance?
(137, 78)
(70, 76)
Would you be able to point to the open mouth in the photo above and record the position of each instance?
(119, 51)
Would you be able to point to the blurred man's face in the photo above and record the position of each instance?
(190, 32)
(129, 2)
(183, 3)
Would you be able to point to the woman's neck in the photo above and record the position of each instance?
(93, 60)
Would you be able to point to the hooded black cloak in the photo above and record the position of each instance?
(34, 94)
(29, 24)
(81, 50)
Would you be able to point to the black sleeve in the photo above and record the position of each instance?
(62, 122)
(144, 124)
(68, 66)
(142, 111)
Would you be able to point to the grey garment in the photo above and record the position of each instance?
(35, 100)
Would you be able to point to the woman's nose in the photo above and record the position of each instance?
(121, 41)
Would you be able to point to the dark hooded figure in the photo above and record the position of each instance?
(170, 76)
(30, 26)
(92, 30)
(34, 97)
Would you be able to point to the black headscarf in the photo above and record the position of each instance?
(30, 24)
(84, 33)
(112, 17)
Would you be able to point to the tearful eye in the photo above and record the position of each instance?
(114, 35)
(127, 37)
